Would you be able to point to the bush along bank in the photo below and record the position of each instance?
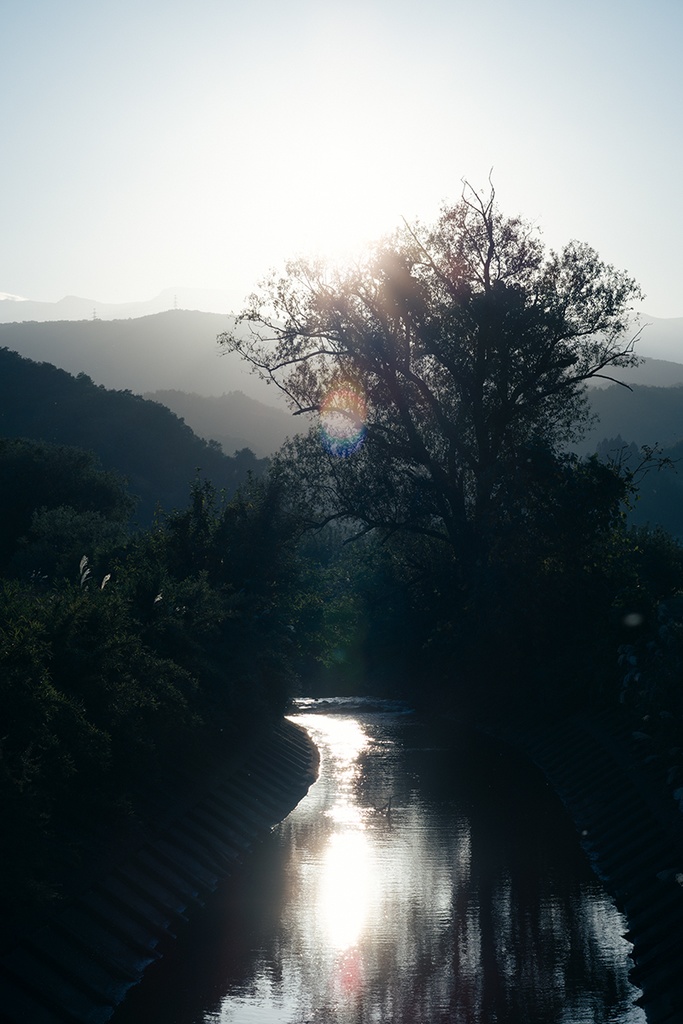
(121, 667)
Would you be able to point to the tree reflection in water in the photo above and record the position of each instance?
(465, 900)
(428, 885)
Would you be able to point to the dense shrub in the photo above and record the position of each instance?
(122, 663)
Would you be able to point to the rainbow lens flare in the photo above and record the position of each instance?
(343, 416)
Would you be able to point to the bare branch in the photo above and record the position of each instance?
(614, 380)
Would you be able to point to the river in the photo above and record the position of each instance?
(427, 877)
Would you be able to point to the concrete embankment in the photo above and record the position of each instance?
(632, 831)
(78, 965)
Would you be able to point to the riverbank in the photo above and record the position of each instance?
(77, 964)
(616, 792)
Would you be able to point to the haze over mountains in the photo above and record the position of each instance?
(169, 343)
(233, 419)
(173, 350)
(157, 454)
(172, 357)
(72, 307)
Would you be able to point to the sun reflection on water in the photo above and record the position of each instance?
(345, 880)
(345, 886)
(396, 905)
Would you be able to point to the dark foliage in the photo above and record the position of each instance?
(56, 503)
(144, 441)
(124, 665)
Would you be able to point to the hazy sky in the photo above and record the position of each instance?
(150, 144)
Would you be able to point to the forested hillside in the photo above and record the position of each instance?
(642, 414)
(234, 420)
(156, 452)
(172, 350)
(630, 419)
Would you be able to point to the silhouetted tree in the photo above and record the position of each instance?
(438, 362)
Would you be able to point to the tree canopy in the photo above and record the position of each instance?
(443, 362)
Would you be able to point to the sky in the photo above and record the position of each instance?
(198, 143)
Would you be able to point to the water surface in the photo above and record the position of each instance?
(424, 878)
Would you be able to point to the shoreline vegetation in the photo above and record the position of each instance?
(119, 669)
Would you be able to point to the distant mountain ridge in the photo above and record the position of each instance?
(174, 350)
(660, 337)
(173, 358)
(17, 309)
(645, 415)
(233, 419)
(657, 373)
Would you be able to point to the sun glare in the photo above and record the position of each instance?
(338, 184)
(347, 877)
(345, 887)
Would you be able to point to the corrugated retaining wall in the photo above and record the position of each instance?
(632, 830)
(77, 967)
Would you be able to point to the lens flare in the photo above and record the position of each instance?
(343, 416)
